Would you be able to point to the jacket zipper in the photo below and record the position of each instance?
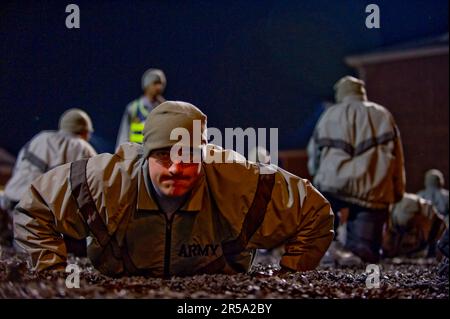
(168, 244)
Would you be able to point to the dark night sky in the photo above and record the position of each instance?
(244, 63)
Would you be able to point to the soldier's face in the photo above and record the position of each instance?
(173, 179)
(154, 89)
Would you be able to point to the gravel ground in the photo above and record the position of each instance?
(399, 279)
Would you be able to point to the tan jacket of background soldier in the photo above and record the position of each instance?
(414, 225)
(356, 151)
(49, 149)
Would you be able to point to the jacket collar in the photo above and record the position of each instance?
(354, 97)
(146, 200)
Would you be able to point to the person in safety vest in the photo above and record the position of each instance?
(132, 124)
(173, 207)
(47, 150)
(356, 158)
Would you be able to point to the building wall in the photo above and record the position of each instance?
(415, 90)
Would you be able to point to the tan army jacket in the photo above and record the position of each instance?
(231, 211)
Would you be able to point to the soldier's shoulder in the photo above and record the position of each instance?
(129, 151)
(87, 147)
(132, 104)
(43, 135)
(121, 165)
(378, 108)
(75, 140)
(335, 111)
(46, 133)
(216, 157)
(410, 198)
(227, 166)
(40, 141)
(126, 154)
(422, 193)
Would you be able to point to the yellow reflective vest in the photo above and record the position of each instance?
(138, 115)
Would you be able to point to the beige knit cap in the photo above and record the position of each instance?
(151, 76)
(75, 121)
(434, 178)
(169, 116)
(349, 85)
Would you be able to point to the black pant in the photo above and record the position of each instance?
(6, 224)
(336, 205)
(364, 228)
(443, 244)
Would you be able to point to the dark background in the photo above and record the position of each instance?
(244, 63)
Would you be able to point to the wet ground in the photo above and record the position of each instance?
(398, 279)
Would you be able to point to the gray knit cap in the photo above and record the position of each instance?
(151, 76)
(434, 178)
(168, 116)
(75, 121)
(349, 85)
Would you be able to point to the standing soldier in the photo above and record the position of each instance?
(150, 213)
(132, 124)
(356, 159)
